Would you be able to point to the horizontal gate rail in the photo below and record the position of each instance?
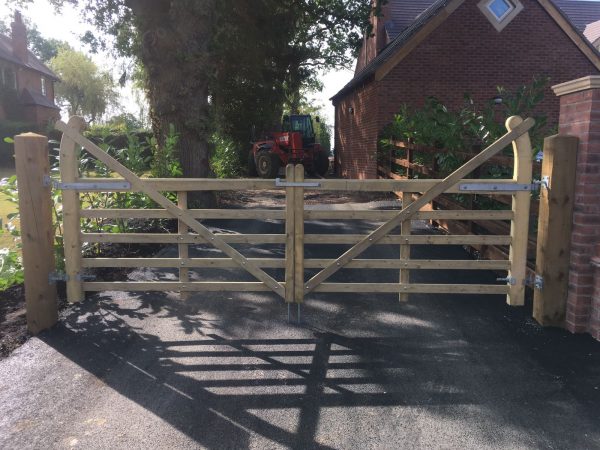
(413, 288)
(276, 214)
(279, 263)
(165, 238)
(202, 286)
(211, 184)
(168, 286)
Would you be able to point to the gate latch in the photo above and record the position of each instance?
(279, 183)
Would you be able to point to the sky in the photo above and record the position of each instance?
(68, 26)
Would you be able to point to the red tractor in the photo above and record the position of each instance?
(295, 144)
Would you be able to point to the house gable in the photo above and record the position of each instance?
(427, 21)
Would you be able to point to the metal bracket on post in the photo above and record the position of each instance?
(497, 187)
(105, 186)
(536, 282)
(279, 183)
(543, 183)
(509, 280)
(53, 277)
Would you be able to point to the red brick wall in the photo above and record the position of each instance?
(32, 80)
(595, 316)
(466, 54)
(580, 116)
(355, 134)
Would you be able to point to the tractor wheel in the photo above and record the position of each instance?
(251, 165)
(267, 164)
(321, 163)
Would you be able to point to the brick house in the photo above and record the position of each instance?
(26, 85)
(447, 48)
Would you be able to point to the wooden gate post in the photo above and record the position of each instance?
(554, 230)
(519, 227)
(299, 235)
(37, 232)
(69, 172)
(290, 254)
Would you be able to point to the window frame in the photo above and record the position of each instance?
(500, 23)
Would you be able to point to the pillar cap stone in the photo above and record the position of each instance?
(580, 84)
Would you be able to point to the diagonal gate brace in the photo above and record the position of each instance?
(519, 127)
(178, 213)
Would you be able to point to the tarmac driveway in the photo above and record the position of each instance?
(226, 371)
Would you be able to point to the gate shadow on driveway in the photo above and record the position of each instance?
(360, 373)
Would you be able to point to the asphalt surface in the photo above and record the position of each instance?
(226, 370)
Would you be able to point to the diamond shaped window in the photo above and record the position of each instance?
(500, 12)
(500, 8)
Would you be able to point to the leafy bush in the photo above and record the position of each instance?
(436, 126)
(226, 161)
(164, 158)
(11, 268)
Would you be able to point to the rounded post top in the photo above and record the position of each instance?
(513, 122)
(77, 122)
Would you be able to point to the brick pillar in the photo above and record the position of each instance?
(595, 317)
(580, 117)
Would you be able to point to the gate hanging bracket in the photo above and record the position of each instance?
(105, 186)
(279, 183)
(509, 280)
(498, 187)
(543, 183)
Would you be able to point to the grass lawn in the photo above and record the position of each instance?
(6, 207)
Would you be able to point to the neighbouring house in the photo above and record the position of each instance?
(26, 85)
(446, 48)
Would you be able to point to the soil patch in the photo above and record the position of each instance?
(13, 324)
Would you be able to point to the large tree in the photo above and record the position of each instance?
(84, 89)
(179, 44)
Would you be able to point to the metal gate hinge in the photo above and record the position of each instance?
(100, 186)
(53, 277)
(509, 280)
(537, 282)
(543, 183)
(104, 186)
(279, 183)
(497, 187)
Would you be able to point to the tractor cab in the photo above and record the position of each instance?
(302, 124)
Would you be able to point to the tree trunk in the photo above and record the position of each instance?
(174, 51)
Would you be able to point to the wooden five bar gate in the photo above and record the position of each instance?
(295, 286)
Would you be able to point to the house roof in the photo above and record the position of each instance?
(32, 98)
(580, 13)
(403, 12)
(6, 53)
(592, 31)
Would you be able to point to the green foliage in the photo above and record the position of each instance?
(84, 88)
(11, 268)
(226, 161)
(470, 127)
(165, 163)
